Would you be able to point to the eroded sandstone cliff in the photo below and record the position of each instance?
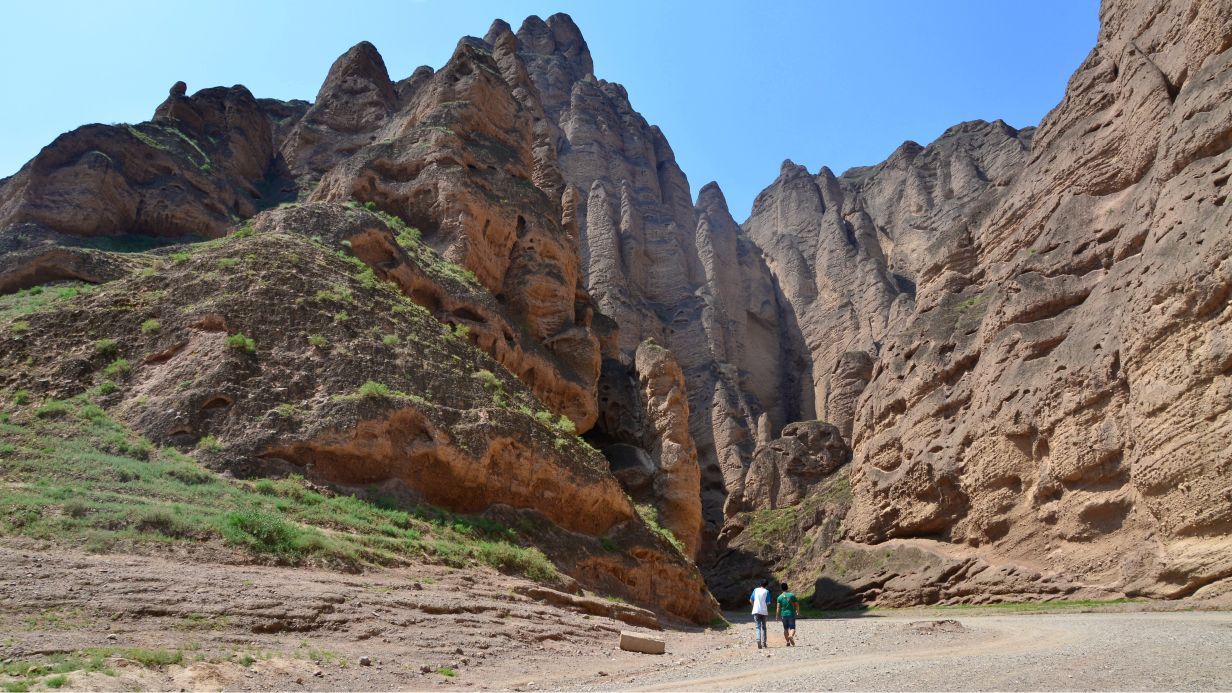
(1043, 313)
(1018, 337)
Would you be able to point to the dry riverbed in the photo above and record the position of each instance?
(118, 622)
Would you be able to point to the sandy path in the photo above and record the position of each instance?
(1054, 651)
(246, 627)
(999, 639)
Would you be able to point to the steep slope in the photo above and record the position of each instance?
(463, 154)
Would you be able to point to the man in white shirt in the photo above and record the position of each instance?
(760, 600)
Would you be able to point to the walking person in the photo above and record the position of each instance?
(760, 600)
(787, 607)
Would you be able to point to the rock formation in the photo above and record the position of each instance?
(676, 478)
(1019, 337)
(789, 467)
(1043, 313)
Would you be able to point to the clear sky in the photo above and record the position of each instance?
(737, 86)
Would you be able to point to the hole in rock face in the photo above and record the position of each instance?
(217, 402)
(427, 299)
(467, 314)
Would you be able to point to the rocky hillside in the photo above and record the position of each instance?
(993, 367)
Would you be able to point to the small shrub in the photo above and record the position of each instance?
(341, 316)
(76, 508)
(94, 414)
(19, 326)
(566, 425)
(488, 379)
(338, 294)
(106, 388)
(106, 347)
(447, 671)
(190, 476)
(370, 206)
(461, 331)
(408, 237)
(151, 326)
(118, 368)
(544, 417)
(390, 340)
(51, 409)
(374, 389)
(530, 562)
(209, 444)
(228, 262)
(181, 257)
(262, 532)
(152, 658)
(244, 232)
(21, 397)
(241, 343)
(56, 681)
(318, 341)
(162, 521)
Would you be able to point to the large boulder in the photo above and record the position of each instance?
(786, 469)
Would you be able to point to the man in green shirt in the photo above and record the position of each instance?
(788, 606)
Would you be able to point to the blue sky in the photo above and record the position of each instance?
(736, 86)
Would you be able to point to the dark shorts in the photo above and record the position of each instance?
(789, 623)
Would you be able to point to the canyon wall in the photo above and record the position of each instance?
(1018, 337)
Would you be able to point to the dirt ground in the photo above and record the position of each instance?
(248, 627)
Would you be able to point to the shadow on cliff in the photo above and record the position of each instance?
(732, 575)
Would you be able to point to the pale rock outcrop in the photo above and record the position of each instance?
(677, 479)
(787, 468)
(638, 231)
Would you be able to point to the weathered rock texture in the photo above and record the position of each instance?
(662, 269)
(788, 467)
(1022, 334)
(1044, 313)
(448, 426)
(676, 478)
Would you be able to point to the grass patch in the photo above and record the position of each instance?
(209, 444)
(106, 347)
(650, 515)
(82, 479)
(118, 368)
(447, 671)
(151, 326)
(374, 389)
(771, 525)
(1015, 607)
(318, 341)
(51, 409)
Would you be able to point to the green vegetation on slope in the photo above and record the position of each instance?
(74, 475)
